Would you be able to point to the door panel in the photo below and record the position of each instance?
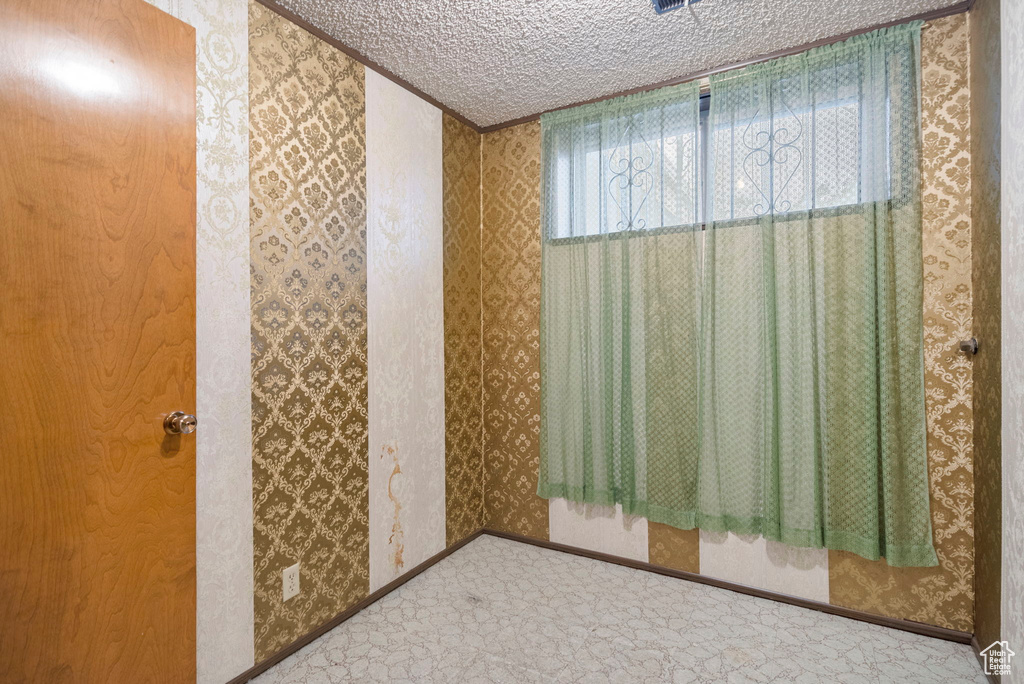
(97, 341)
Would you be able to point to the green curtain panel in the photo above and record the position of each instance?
(764, 375)
(812, 373)
(620, 286)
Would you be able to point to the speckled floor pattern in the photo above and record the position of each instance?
(502, 611)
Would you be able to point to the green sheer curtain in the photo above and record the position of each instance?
(620, 285)
(812, 374)
(764, 375)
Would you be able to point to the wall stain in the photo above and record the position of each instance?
(397, 534)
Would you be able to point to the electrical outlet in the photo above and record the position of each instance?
(290, 581)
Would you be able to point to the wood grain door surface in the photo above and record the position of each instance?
(97, 342)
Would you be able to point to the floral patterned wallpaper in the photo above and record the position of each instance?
(463, 422)
(359, 192)
(406, 329)
(311, 456)
(943, 595)
(673, 548)
(309, 359)
(510, 273)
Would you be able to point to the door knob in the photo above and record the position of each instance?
(180, 423)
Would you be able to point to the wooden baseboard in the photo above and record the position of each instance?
(895, 623)
(302, 641)
(995, 679)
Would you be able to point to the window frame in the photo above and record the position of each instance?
(706, 186)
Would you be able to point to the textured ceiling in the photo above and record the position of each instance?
(495, 61)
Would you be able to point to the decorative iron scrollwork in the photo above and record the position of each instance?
(775, 149)
(630, 164)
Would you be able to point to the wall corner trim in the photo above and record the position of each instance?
(976, 647)
(301, 642)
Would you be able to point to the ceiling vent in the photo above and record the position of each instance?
(662, 6)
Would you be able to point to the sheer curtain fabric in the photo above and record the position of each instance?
(620, 285)
(764, 375)
(812, 372)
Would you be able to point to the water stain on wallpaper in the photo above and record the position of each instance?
(395, 540)
(405, 293)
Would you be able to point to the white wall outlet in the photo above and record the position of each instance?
(290, 581)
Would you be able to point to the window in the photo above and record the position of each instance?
(754, 154)
(764, 376)
(792, 147)
(626, 170)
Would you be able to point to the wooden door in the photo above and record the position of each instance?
(97, 342)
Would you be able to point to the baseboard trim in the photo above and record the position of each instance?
(894, 623)
(303, 641)
(995, 679)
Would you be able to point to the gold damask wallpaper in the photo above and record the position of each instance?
(463, 421)
(1012, 290)
(308, 294)
(943, 595)
(510, 268)
(309, 338)
(673, 548)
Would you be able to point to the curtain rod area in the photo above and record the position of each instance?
(958, 8)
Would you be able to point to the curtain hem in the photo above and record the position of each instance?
(896, 556)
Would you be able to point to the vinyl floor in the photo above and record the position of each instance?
(503, 611)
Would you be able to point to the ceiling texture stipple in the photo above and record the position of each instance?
(494, 61)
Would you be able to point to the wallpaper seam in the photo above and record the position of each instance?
(484, 519)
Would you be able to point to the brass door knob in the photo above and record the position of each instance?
(180, 423)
